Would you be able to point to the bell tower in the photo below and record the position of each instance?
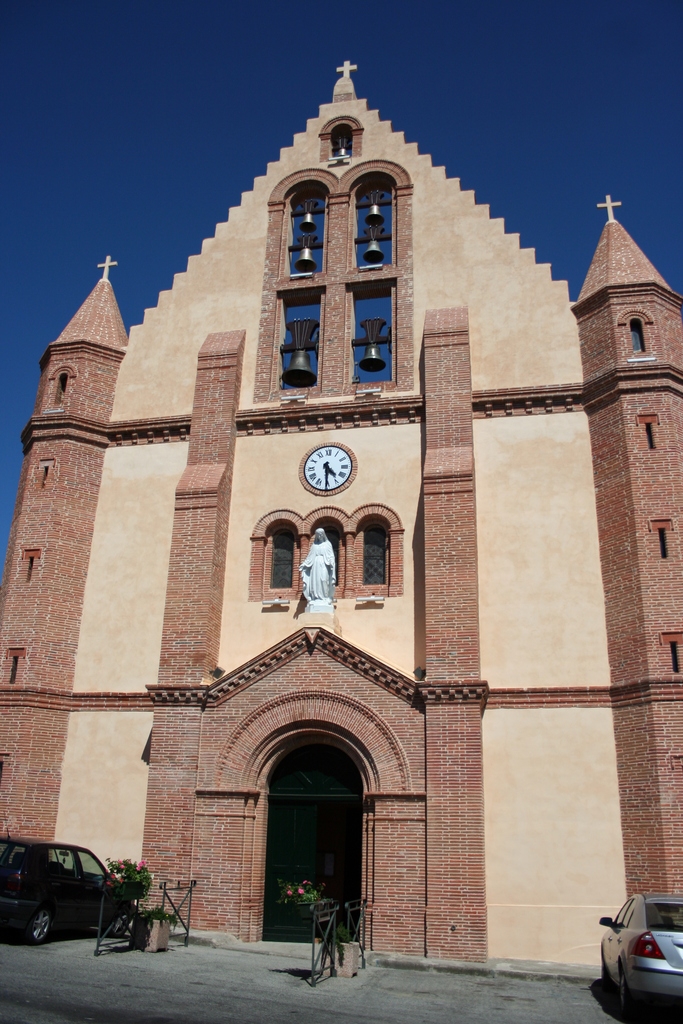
(632, 354)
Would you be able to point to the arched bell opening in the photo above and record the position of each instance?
(314, 832)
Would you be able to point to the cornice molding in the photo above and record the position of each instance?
(58, 426)
(377, 411)
(460, 691)
(622, 380)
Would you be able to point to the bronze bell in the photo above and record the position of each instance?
(374, 216)
(299, 373)
(373, 253)
(372, 361)
(308, 222)
(305, 262)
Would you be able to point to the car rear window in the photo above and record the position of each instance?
(660, 914)
(12, 855)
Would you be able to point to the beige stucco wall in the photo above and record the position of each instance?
(541, 603)
(107, 815)
(522, 328)
(266, 478)
(554, 861)
(123, 609)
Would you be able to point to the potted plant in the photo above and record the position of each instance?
(128, 879)
(348, 953)
(302, 894)
(153, 929)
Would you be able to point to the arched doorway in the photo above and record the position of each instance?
(314, 831)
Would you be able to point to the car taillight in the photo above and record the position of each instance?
(646, 945)
(13, 883)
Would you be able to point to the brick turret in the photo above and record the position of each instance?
(632, 352)
(49, 550)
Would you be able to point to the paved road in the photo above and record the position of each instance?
(63, 983)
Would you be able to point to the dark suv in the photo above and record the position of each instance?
(44, 886)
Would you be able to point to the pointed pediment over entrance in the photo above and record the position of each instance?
(302, 644)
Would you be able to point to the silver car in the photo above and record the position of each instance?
(642, 952)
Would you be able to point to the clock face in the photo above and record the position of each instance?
(328, 468)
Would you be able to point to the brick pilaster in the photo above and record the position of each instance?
(453, 693)
(194, 594)
(194, 603)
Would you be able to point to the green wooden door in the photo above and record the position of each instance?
(291, 856)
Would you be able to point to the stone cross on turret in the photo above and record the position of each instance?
(609, 206)
(109, 262)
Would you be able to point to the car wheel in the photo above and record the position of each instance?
(629, 1007)
(38, 928)
(119, 925)
(606, 979)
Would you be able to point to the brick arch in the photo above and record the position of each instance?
(308, 716)
(355, 175)
(310, 175)
(330, 125)
(281, 515)
(374, 511)
(635, 314)
(326, 512)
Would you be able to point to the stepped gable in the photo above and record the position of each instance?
(618, 260)
(98, 320)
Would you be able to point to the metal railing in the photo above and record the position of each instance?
(125, 908)
(324, 930)
(355, 923)
(177, 908)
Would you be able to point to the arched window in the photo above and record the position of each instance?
(374, 229)
(308, 235)
(374, 556)
(283, 560)
(333, 536)
(637, 339)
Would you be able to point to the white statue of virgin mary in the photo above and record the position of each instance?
(318, 574)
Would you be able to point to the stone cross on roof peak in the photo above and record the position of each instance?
(609, 205)
(109, 262)
(344, 89)
(346, 69)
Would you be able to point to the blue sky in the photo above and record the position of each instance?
(131, 127)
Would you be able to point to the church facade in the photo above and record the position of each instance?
(482, 735)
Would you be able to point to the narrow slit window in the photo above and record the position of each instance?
(673, 647)
(45, 466)
(663, 550)
(637, 338)
(650, 435)
(29, 568)
(374, 556)
(62, 383)
(13, 669)
(283, 560)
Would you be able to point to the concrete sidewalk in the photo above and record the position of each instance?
(530, 970)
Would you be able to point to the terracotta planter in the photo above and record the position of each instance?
(351, 960)
(152, 937)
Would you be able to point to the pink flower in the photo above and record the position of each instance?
(305, 882)
(141, 864)
(300, 891)
(289, 892)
